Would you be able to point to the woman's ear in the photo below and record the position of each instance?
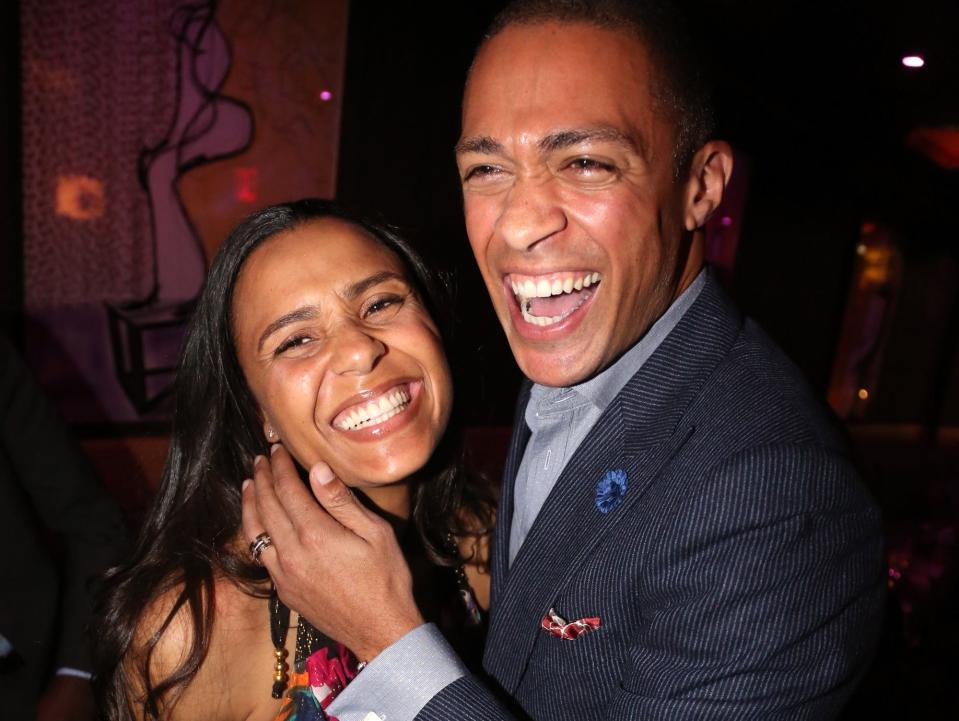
(709, 173)
(270, 432)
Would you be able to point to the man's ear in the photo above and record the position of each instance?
(709, 172)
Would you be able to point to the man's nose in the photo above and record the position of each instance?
(530, 213)
(354, 351)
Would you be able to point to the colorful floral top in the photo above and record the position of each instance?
(315, 682)
(322, 667)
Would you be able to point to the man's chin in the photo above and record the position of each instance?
(549, 368)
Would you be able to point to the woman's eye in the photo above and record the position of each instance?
(383, 306)
(293, 342)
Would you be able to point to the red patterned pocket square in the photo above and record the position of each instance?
(558, 627)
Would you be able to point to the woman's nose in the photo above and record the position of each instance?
(355, 351)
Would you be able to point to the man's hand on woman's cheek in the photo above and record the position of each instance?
(338, 564)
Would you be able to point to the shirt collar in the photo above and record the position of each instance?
(601, 389)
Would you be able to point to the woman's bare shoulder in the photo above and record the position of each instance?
(164, 640)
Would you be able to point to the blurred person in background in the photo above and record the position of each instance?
(47, 488)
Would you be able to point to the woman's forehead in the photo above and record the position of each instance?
(326, 251)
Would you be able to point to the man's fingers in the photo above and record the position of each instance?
(339, 501)
(253, 525)
(283, 497)
(276, 502)
(301, 510)
(250, 517)
(271, 512)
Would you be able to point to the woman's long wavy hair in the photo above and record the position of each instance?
(189, 537)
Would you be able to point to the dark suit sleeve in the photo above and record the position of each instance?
(761, 602)
(52, 473)
(468, 700)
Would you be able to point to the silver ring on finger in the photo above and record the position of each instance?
(258, 545)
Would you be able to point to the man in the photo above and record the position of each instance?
(680, 534)
(46, 485)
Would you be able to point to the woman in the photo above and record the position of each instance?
(315, 331)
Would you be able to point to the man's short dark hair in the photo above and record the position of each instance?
(678, 78)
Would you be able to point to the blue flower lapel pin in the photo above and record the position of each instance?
(611, 490)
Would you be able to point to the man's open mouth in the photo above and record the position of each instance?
(545, 300)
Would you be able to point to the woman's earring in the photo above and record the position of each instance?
(270, 434)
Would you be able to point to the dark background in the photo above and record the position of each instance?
(11, 244)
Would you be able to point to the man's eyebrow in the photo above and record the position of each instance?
(481, 144)
(306, 312)
(575, 136)
(558, 140)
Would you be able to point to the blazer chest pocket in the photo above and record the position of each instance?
(577, 649)
(583, 671)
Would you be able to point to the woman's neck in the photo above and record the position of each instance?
(393, 501)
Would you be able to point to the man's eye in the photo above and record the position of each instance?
(481, 172)
(590, 165)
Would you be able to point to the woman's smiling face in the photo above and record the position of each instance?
(340, 353)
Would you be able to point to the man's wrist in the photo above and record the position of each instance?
(366, 652)
(402, 680)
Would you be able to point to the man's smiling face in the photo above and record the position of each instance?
(572, 208)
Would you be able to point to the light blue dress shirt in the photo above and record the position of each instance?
(399, 682)
(560, 418)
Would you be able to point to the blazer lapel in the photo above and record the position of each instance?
(504, 514)
(549, 555)
(638, 433)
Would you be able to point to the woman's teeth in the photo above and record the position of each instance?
(535, 311)
(374, 412)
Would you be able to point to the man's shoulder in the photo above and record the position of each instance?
(760, 429)
(757, 390)
(760, 443)
(718, 371)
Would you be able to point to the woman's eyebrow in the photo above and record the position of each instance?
(306, 312)
(361, 286)
(311, 312)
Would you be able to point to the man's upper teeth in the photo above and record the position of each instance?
(377, 411)
(544, 288)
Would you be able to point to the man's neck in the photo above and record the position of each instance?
(603, 387)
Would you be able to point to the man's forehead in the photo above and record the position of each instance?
(523, 44)
(552, 85)
(558, 139)
(530, 62)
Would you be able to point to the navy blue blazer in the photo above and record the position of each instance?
(740, 576)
